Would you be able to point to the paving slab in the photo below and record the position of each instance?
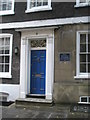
(35, 112)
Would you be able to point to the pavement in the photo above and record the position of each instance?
(34, 112)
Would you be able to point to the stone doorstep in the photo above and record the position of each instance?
(33, 102)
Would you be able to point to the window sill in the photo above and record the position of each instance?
(82, 5)
(82, 76)
(83, 102)
(5, 76)
(2, 13)
(37, 9)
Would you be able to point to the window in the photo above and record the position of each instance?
(38, 5)
(85, 99)
(5, 55)
(83, 55)
(81, 3)
(6, 7)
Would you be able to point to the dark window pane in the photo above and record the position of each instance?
(2, 68)
(82, 67)
(6, 50)
(82, 58)
(2, 50)
(32, 3)
(83, 99)
(0, 6)
(89, 68)
(45, 2)
(1, 59)
(7, 59)
(88, 47)
(89, 99)
(39, 2)
(1, 41)
(88, 38)
(83, 48)
(4, 6)
(82, 38)
(6, 68)
(89, 58)
(9, 7)
(7, 41)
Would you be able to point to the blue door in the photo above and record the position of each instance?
(38, 71)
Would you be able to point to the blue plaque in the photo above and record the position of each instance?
(65, 57)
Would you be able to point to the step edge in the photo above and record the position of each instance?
(35, 101)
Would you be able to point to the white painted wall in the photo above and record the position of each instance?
(12, 90)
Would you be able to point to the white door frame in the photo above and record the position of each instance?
(25, 60)
(32, 49)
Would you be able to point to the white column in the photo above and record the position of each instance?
(23, 68)
(49, 68)
(28, 65)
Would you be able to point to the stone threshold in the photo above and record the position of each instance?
(34, 100)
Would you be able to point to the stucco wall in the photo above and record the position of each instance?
(66, 88)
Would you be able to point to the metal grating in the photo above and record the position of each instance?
(38, 43)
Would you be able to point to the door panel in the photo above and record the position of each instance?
(38, 71)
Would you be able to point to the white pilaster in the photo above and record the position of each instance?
(23, 68)
(49, 67)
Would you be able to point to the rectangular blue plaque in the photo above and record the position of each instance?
(65, 57)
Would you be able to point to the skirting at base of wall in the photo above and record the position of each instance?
(12, 90)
